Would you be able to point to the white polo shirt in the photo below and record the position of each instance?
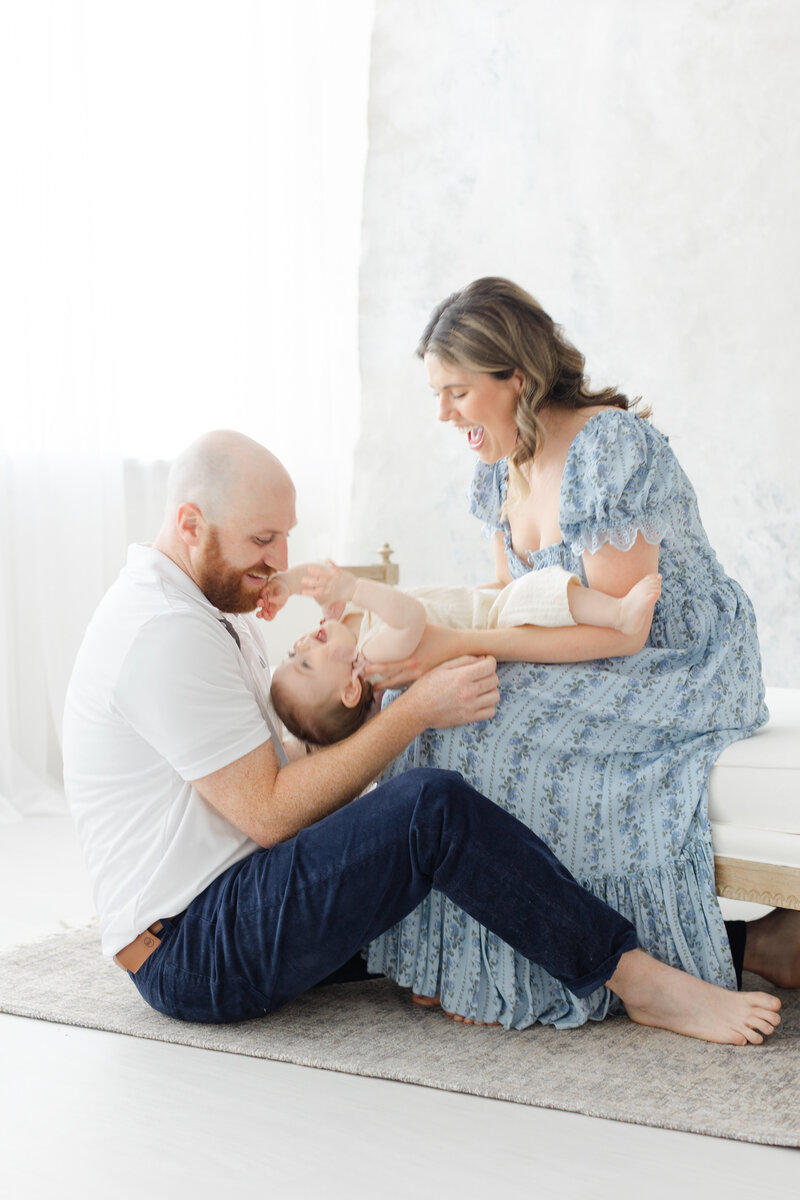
(160, 695)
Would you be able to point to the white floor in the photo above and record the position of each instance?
(95, 1115)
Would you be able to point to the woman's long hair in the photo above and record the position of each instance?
(496, 327)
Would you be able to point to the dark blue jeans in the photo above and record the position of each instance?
(285, 919)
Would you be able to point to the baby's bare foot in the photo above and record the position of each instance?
(637, 606)
(772, 949)
(661, 996)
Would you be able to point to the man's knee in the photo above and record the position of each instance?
(436, 777)
(441, 802)
(442, 798)
(432, 786)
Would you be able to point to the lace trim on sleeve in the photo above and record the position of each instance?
(654, 530)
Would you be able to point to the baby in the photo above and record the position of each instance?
(319, 691)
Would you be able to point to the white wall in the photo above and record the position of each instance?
(634, 164)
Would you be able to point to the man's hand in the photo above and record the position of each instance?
(437, 645)
(458, 692)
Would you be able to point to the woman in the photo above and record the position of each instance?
(606, 758)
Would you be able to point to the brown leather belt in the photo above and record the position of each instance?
(131, 957)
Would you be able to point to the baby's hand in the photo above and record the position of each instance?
(335, 611)
(272, 598)
(329, 586)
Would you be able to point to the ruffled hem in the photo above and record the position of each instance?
(621, 538)
(438, 949)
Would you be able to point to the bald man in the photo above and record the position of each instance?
(229, 880)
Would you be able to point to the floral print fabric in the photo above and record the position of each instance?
(607, 760)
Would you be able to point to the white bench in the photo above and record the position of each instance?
(754, 805)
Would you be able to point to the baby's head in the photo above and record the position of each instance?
(317, 691)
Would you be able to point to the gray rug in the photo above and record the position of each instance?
(616, 1069)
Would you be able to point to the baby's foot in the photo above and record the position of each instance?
(637, 606)
(772, 949)
(661, 996)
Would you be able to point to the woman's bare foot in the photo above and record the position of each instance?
(434, 1002)
(637, 606)
(468, 1020)
(772, 949)
(425, 1001)
(661, 996)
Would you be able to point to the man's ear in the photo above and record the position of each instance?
(190, 523)
(352, 693)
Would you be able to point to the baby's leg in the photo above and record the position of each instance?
(628, 614)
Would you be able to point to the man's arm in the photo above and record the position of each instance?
(271, 804)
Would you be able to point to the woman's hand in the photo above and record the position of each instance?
(437, 645)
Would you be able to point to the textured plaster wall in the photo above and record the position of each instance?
(634, 164)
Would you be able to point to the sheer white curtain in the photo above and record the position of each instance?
(180, 223)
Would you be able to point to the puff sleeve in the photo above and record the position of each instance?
(620, 479)
(486, 494)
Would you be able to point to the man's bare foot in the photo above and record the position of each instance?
(434, 1002)
(637, 606)
(772, 949)
(661, 996)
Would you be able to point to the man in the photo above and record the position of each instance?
(229, 880)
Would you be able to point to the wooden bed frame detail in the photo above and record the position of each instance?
(384, 571)
(759, 882)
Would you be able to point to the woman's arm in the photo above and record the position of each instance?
(500, 559)
(609, 570)
(500, 564)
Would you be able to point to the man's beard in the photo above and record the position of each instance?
(221, 584)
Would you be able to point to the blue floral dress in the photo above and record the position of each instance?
(608, 760)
